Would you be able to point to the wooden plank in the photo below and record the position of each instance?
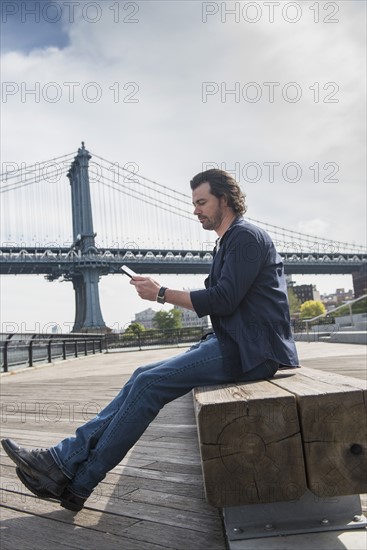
(178, 502)
(183, 539)
(250, 444)
(87, 518)
(146, 532)
(328, 376)
(139, 505)
(333, 415)
(175, 476)
(26, 531)
(128, 484)
(180, 467)
(116, 486)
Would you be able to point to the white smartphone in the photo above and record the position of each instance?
(128, 271)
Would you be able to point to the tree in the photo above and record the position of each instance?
(311, 309)
(294, 302)
(135, 328)
(166, 320)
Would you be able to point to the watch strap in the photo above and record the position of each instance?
(160, 296)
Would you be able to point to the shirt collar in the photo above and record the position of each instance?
(220, 240)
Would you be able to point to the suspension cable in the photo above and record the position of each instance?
(130, 176)
(12, 174)
(144, 178)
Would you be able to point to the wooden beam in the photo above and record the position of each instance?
(332, 410)
(250, 444)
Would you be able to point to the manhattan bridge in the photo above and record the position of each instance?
(115, 216)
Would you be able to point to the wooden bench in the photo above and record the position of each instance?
(274, 441)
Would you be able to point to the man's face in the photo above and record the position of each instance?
(208, 208)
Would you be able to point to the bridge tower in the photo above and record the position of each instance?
(88, 315)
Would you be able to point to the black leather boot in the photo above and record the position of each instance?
(39, 465)
(67, 499)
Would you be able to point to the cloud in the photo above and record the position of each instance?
(27, 26)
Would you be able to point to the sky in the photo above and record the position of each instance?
(274, 91)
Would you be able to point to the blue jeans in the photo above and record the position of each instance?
(101, 443)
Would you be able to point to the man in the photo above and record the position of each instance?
(246, 298)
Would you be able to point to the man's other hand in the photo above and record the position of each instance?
(146, 287)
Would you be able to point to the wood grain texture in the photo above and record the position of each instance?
(333, 415)
(250, 444)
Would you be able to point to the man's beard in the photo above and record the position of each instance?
(214, 222)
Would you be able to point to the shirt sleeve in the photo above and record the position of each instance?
(243, 259)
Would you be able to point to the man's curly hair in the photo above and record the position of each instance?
(222, 184)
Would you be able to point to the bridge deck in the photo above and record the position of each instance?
(153, 499)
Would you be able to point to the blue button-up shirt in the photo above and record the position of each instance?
(246, 298)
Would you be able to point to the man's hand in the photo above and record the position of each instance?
(146, 287)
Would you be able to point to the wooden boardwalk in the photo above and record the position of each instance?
(154, 498)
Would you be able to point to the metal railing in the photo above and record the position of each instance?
(330, 312)
(155, 338)
(28, 349)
